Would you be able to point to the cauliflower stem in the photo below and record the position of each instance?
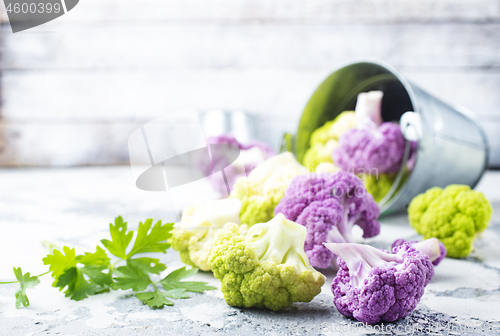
(434, 248)
(329, 205)
(361, 259)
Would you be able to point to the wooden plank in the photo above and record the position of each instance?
(158, 45)
(346, 11)
(62, 118)
(145, 94)
(63, 144)
(76, 144)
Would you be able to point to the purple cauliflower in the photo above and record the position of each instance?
(373, 285)
(367, 148)
(329, 205)
(266, 151)
(433, 247)
(412, 158)
(249, 159)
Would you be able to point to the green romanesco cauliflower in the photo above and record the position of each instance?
(193, 236)
(264, 187)
(265, 268)
(378, 185)
(324, 139)
(454, 215)
(334, 129)
(319, 153)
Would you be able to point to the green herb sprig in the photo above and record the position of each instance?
(93, 273)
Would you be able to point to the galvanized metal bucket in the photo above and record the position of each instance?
(237, 122)
(452, 146)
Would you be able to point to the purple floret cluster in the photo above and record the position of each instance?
(367, 148)
(234, 171)
(373, 285)
(329, 205)
(229, 139)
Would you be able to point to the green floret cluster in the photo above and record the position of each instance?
(181, 238)
(324, 139)
(319, 153)
(265, 268)
(378, 185)
(454, 215)
(264, 187)
(193, 236)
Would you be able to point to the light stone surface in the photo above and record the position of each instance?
(74, 206)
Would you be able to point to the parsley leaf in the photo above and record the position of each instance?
(98, 258)
(26, 281)
(92, 273)
(120, 238)
(153, 240)
(177, 293)
(154, 299)
(96, 275)
(59, 262)
(158, 299)
(77, 287)
(132, 278)
(148, 265)
(172, 281)
(137, 278)
(68, 275)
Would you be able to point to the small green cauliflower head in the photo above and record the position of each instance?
(332, 130)
(194, 235)
(264, 187)
(454, 215)
(265, 268)
(324, 140)
(378, 185)
(319, 153)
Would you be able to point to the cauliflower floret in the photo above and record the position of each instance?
(372, 285)
(378, 185)
(251, 155)
(326, 167)
(318, 154)
(329, 205)
(334, 129)
(324, 140)
(454, 215)
(265, 268)
(368, 148)
(193, 237)
(261, 191)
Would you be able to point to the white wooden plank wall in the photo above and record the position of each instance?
(74, 89)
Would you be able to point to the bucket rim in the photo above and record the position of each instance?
(392, 69)
(409, 89)
(385, 208)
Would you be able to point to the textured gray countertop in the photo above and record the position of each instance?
(74, 206)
